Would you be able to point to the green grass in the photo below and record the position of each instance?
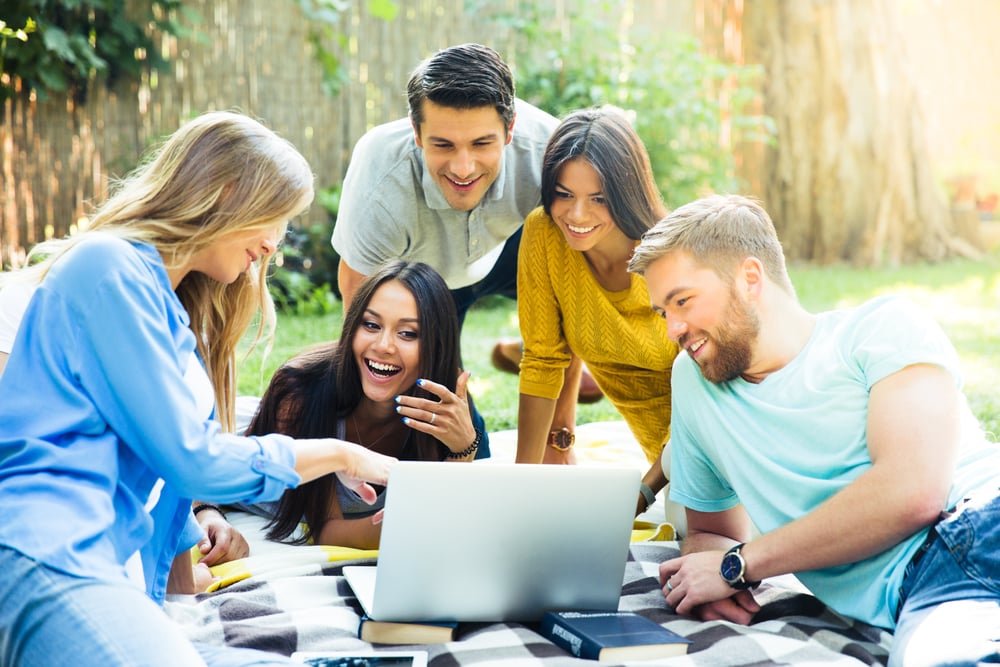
(964, 297)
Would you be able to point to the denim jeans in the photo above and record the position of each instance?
(48, 617)
(950, 613)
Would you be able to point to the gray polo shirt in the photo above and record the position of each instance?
(391, 207)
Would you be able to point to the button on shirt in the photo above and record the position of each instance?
(96, 409)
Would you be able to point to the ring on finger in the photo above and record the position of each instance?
(433, 417)
(670, 586)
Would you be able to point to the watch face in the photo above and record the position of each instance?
(732, 567)
(561, 440)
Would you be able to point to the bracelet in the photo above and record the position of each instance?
(208, 506)
(468, 451)
(648, 494)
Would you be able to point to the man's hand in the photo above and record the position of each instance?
(694, 580)
(222, 542)
(739, 609)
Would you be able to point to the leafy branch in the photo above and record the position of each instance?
(64, 46)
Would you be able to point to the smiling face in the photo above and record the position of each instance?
(463, 149)
(386, 346)
(706, 316)
(580, 208)
(232, 254)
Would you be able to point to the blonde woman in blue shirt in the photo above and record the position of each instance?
(129, 318)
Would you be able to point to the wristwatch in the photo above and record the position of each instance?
(562, 439)
(734, 569)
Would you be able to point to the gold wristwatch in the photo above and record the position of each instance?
(562, 439)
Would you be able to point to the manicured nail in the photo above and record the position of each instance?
(406, 420)
(420, 382)
(397, 399)
(398, 408)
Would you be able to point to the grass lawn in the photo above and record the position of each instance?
(964, 297)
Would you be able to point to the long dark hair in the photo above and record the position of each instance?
(605, 139)
(310, 393)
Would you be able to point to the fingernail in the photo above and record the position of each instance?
(420, 382)
(398, 408)
(397, 399)
(406, 420)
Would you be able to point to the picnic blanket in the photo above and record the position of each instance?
(308, 606)
(294, 598)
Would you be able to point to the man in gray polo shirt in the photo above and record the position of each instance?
(451, 184)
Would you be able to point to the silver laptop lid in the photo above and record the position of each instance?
(497, 542)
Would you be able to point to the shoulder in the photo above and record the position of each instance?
(538, 219)
(384, 147)
(892, 312)
(101, 256)
(532, 127)
(540, 231)
(386, 163)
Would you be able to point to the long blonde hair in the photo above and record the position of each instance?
(219, 173)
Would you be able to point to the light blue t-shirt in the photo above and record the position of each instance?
(391, 207)
(784, 446)
(96, 409)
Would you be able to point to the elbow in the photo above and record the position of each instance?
(924, 507)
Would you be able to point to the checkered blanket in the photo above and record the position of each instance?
(307, 605)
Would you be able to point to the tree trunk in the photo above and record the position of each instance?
(849, 177)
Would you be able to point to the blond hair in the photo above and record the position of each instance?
(718, 231)
(220, 173)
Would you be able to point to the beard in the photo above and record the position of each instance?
(732, 342)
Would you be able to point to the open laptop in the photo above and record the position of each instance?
(498, 542)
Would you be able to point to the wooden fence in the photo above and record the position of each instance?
(251, 55)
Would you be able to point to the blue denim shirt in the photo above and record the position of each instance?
(96, 408)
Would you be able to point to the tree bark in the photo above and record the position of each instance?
(849, 177)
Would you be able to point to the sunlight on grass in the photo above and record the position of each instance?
(963, 296)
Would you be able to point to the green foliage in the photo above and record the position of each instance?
(324, 19)
(60, 47)
(306, 281)
(669, 87)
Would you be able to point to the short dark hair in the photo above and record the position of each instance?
(606, 140)
(466, 76)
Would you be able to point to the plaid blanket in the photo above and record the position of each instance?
(307, 605)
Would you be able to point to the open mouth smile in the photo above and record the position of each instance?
(695, 346)
(581, 230)
(382, 370)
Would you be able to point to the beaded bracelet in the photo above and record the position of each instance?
(468, 451)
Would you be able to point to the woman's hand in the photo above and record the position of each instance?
(448, 419)
(361, 466)
(222, 542)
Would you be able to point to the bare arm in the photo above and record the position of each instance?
(360, 533)
(354, 465)
(913, 433)
(348, 281)
(534, 419)
(188, 578)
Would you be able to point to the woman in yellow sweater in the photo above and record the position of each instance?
(575, 295)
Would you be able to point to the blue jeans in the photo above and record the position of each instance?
(501, 280)
(48, 617)
(950, 613)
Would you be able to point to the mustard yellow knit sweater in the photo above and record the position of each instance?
(562, 307)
